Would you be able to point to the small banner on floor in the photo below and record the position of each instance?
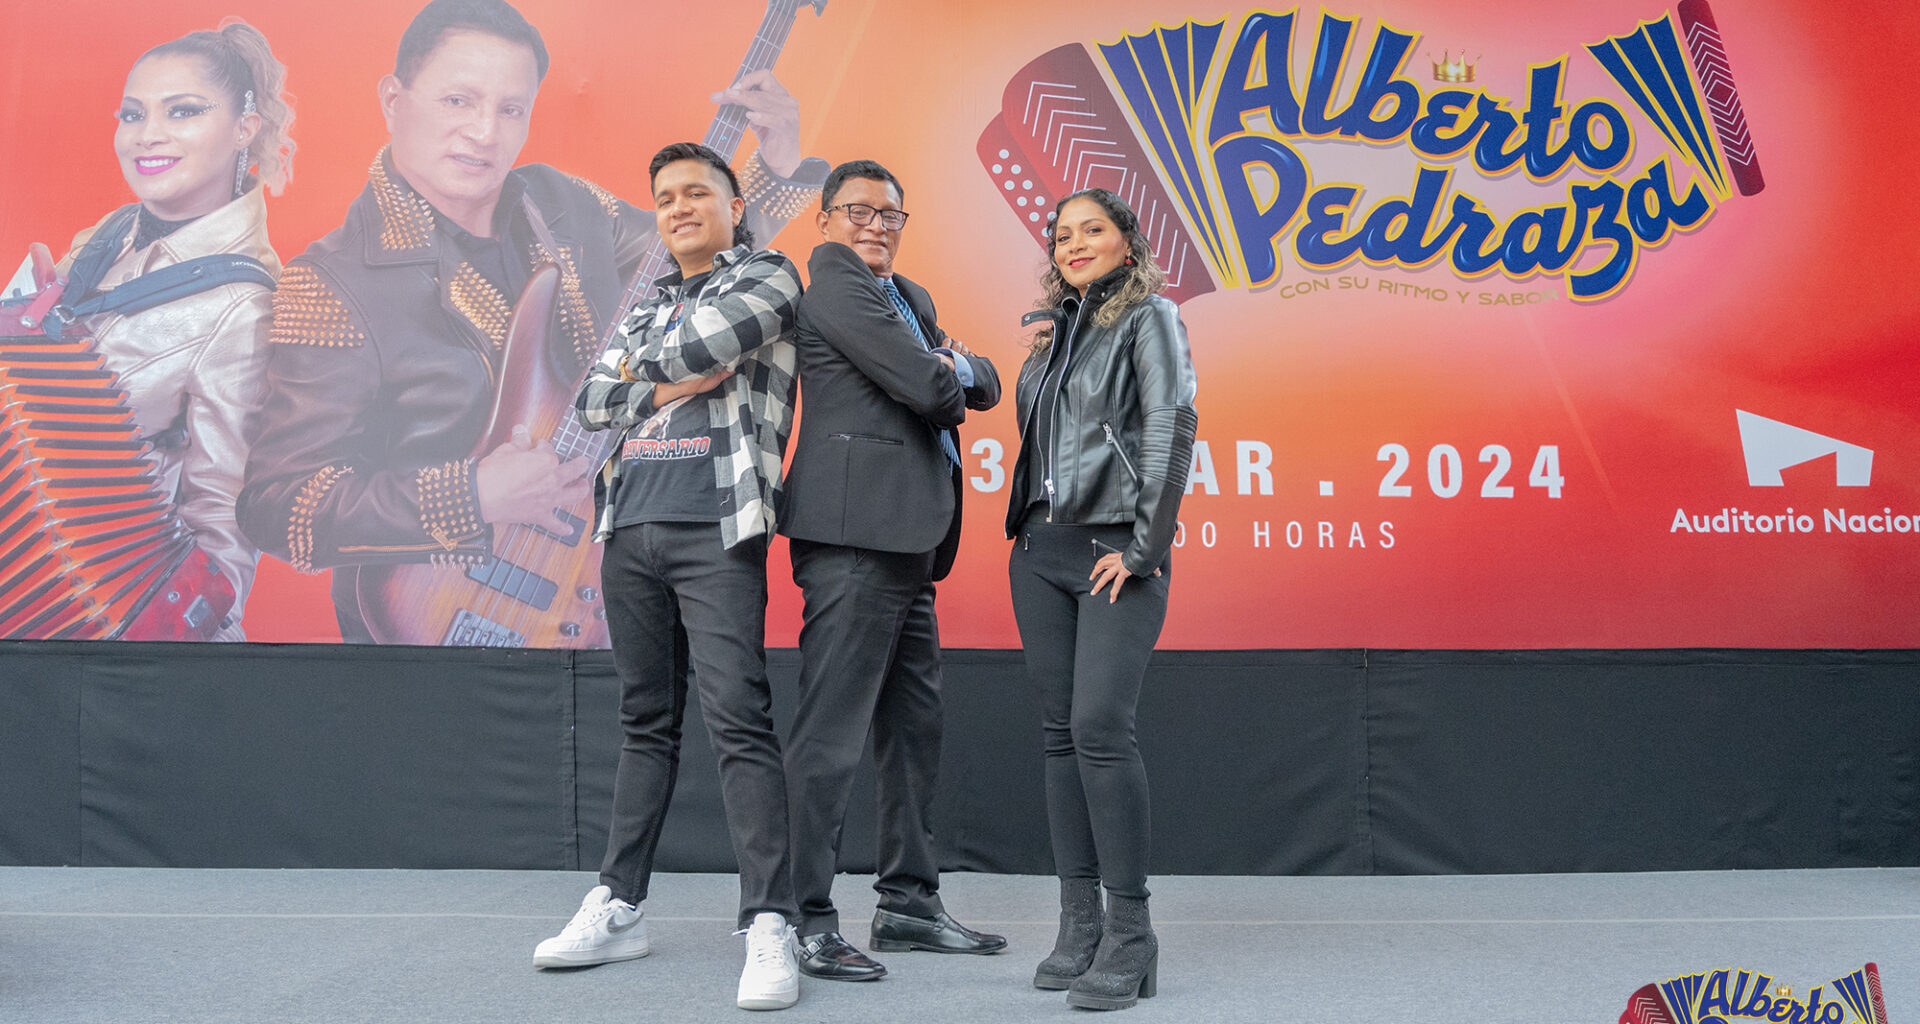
(1727, 996)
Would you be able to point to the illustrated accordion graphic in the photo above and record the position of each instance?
(1723, 97)
(1059, 131)
(1651, 69)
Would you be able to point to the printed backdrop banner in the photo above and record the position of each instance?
(1516, 325)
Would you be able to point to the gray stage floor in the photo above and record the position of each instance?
(99, 944)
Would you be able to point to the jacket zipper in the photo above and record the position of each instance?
(1122, 452)
(1053, 417)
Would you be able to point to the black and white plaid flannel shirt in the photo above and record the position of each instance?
(742, 319)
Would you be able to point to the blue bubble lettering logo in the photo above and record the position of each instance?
(1211, 131)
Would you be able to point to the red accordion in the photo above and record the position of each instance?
(90, 544)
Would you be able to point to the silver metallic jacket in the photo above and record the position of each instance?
(194, 371)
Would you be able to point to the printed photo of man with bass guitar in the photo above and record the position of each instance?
(418, 437)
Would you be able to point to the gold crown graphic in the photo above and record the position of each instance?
(1453, 70)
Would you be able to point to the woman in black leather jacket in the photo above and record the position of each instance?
(1105, 402)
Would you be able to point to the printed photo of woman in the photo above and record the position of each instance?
(201, 135)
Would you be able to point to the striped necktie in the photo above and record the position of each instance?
(900, 303)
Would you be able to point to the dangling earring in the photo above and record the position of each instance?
(240, 171)
(1129, 261)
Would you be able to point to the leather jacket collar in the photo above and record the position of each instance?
(1097, 294)
(239, 227)
(1098, 291)
(410, 229)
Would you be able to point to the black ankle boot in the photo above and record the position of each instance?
(1124, 967)
(1080, 918)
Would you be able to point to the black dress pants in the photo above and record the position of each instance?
(677, 601)
(1086, 658)
(869, 657)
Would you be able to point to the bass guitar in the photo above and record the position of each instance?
(540, 587)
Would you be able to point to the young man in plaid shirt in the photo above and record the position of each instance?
(700, 380)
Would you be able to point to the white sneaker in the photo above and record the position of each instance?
(604, 930)
(771, 979)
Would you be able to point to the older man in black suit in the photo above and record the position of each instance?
(872, 506)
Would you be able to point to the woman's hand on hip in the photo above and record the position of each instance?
(1109, 569)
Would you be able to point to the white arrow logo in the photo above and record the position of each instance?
(1772, 446)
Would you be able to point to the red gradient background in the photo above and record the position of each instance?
(1793, 304)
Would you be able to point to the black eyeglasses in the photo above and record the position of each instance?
(862, 215)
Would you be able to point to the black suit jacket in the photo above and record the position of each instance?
(868, 470)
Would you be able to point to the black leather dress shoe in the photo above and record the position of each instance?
(895, 933)
(833, 958)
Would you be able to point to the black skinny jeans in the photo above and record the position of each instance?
(1086, 658)
(680, 604)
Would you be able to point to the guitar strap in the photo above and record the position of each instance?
(541, 233)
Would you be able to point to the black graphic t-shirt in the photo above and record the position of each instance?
(667, 473)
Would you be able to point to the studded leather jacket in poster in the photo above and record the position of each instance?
(387, 346)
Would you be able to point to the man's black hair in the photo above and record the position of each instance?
(695, 151)
(494, 17)
(868, 169)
